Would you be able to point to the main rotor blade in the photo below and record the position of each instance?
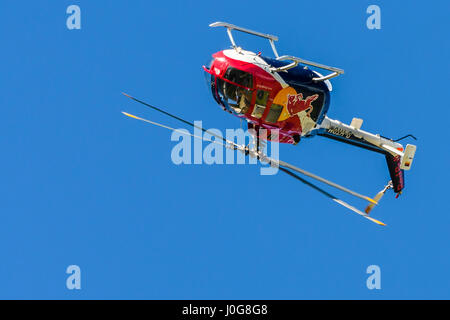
(342, 203)
(170, 128)
(281, 164)
(315, 177)
(175, 117)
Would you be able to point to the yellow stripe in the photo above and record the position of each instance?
(130, 115)
(376, 221)
(371, 200)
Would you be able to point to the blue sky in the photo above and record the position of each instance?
(84, 185)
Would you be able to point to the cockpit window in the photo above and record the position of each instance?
(260, 104)
(240, 77)
(233, 91)
(234, 97)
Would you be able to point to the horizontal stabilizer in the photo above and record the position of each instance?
(408, 158)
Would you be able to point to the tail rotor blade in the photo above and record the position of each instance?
(378, 197)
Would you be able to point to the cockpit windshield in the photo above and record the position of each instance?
(239, 77)
(234, 97)
(235, 93)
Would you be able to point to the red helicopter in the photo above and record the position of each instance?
(287, 99)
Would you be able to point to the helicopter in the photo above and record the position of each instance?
(289, 101)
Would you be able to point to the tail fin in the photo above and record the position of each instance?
(397, 174)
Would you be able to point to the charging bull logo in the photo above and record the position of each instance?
(297, 104)
(301, 109)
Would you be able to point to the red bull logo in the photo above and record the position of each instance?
(296, 103)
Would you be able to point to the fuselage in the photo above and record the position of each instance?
(245, 84)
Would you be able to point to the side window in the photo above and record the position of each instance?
(260, 104)
(274, 113)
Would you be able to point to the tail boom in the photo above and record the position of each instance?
(398, 159)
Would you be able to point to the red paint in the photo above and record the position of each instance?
(263, 80)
